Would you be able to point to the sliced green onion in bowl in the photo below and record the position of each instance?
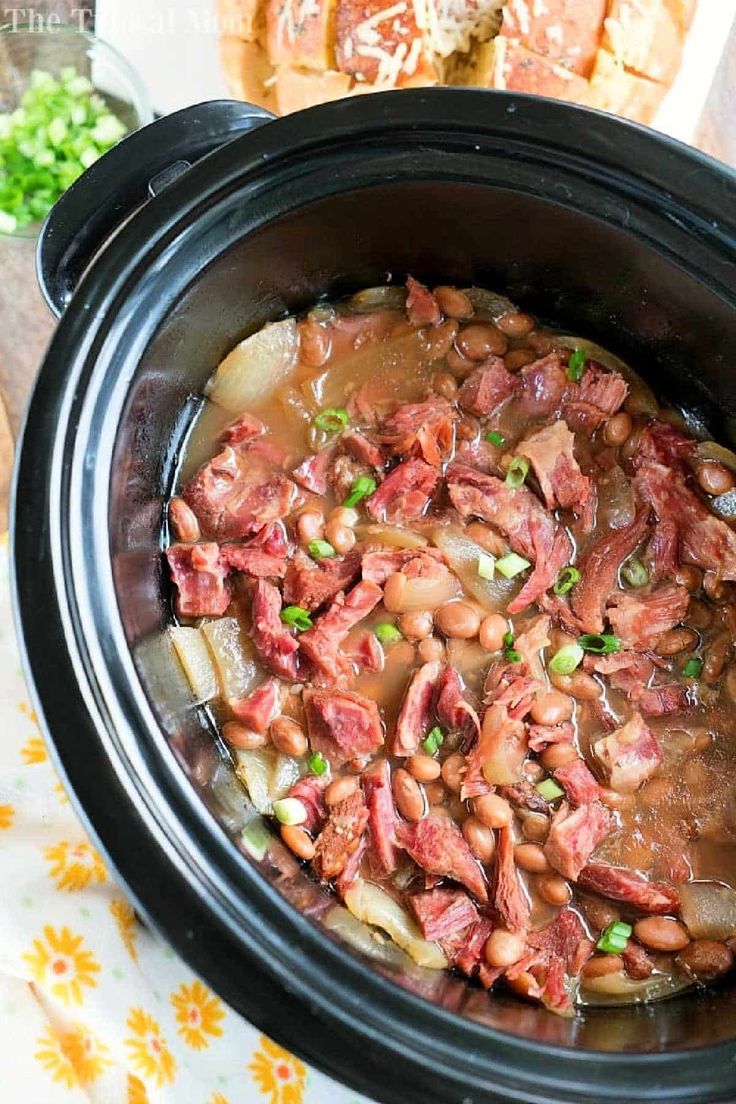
(361, 488)
(508, 639)
(433, 741)
(615, 937)
(289, 810)
(517, 472)
(296, 617)
(635, 573)
(566, 580)
(693, 668)
(495, 438)
(320, 550)
(511, 565)
(332, 419)
(512, 655)
(256, 838)
(317, 763)
(387, 633)
(566, 659)
(549, 790)
(599, 643)
(486, 566)
(576, 365)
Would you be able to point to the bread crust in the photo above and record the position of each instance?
(616, 55)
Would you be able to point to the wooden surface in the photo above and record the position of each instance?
(26, 323)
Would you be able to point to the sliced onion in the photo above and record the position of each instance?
(286, 772)
(642, 399)
(427, 592)
(503, 765)
(194, 656)
(489, 304)
(231, 651)
(379, 298)
(708, 909)
(463, 555)
(619, 989)
(266, 775)
(362, 938)
(392, 535)
(256, 367)
(372, 905)
(233, 809)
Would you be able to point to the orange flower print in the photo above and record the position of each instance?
(74, 866)
(198, 1013)
(58, 960)
(218, 1098)
(73, 1057)
(147, 1048)
(279, 1075)
(7, 815)
(62, 794)
(34, 751)
(136, 1093)
(124, 918)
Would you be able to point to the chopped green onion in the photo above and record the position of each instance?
(496, 439)
(296, 617)
(433, 741)
(320, 549)
(615, 937)
(576, 365)
(361, 488)
(511, 565)
(566, 580)
(517, 472)
(564, 661)
(289, 810)
(599, 643)
(549, 790)
(317, 763)
(387, 633)
(693, 668)
(635, 573)
(255, 838)
(508, 639)
(512, 655)
(486, 566)
(332, 420)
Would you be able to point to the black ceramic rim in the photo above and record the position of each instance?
(286, 977)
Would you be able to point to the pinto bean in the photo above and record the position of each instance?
(558, 755)
(553, 889)
(183, 521)
(519, 358)
(288, 737)
(458, 620)
(423, 767)
(440, 339)
(453, 772)
(504, 948)
(479, 839)
(493, 810)
(688, 576)
(480, 340)
(617, 429)
(486, 537)
(430, 649)
(714, 586)
(407, 795)
(599, 913)
(531, 857)
(706, 959)
(715, 660)
(416, 625)
(314, 343)
(238, 736)
(342, 787)
(453, 303)
(459, 365)
(310, 525)
(533, 770)
(579, 685)
(676, 641)
(435, 792)
(552, 708)
(535, 827)
(602, 966)
(297, 840)
(340, 536)
(714, 478)
(630, 446)
(699, 615)
(515, 324)
(393, 591)
(660, 933)
(492, 631)
(445, 384)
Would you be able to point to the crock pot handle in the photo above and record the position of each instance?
(109, 192)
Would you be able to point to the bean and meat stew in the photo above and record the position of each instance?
(459, 593)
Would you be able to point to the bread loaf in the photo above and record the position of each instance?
(617, 55)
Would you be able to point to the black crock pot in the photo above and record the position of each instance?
(607, 228)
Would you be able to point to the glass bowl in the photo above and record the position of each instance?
(26, 49)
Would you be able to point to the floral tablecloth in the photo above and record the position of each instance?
(93, 1006)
